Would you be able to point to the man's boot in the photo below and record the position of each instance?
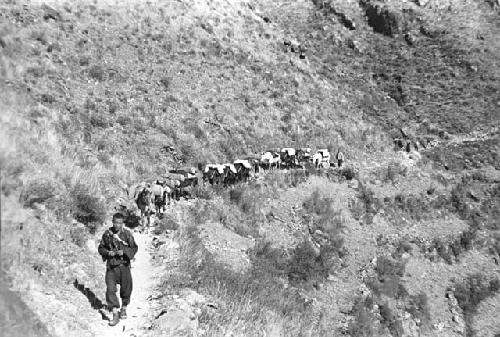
(116, 318)
(123, 313)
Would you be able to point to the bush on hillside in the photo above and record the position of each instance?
(246, 197)
(203, 191)
(123, 120)
(323, 219)
(97, 72)
(348, 173)
(418, 307)
(269, 259)
(470, 293)
(415, 207)
(87, 208)
(364, 319)
(166, 223)
(389, 320)
(387, 281)
(306, 265)
(366, 205)
(43, 191)
(394, 171)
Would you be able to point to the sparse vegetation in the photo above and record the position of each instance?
(263, 284)
(365, 206)
(394, 171)
(87, 208)
(94, 99)
(364, 319)
(387, 282)
(469, 293)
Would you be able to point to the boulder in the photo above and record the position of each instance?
(176, 322)
(354, 184)
(50, 13)
(193, 298)
(91, 245)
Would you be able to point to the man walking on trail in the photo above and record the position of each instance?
(118, 248)
(157, 191)
(340, 158)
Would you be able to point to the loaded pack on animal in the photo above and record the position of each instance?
(321, 159)
(214, 174)
(243, 168)
(288, 157)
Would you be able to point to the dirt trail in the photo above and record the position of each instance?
(144, 276)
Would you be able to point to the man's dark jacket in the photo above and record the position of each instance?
(110, 243)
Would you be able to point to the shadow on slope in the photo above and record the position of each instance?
(16, 319)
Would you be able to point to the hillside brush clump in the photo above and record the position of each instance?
(315, 258)
(247, 198)
(166, 223)
(87, 208)
(389, 320)
(42, 191)
(469, 294)
(363, 324)
(262, 283)
(349, 173)
(395, 170)
(365, 206)
(388, 279)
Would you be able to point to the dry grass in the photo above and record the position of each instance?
(90, 103)
(470, 293)
(245, 302)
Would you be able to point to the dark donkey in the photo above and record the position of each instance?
(144, 203)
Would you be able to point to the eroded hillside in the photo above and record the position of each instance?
(97, 96)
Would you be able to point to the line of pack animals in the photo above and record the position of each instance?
(178, 183)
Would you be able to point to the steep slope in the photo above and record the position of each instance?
(96, 96)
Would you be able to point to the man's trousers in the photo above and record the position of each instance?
(118, 275)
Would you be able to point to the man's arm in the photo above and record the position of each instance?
(131, 249)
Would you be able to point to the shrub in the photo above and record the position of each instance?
(418, 307)
(394, 170)
(98, 120)
(203, 191)
(123, 120)
(415, 207)
(105, 159)
(318, 209)
(78, 235)
(366, 206)
(268, 259)
(387, 282)
(43, 191)
(364, 319)
(87, 208)
(319, 214)
(167, 223)
(305, 265)
(469, 294)
(390, 321)
(246, 197)
(97, 72)
(348, 173)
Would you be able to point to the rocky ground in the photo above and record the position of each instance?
(98, 96)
